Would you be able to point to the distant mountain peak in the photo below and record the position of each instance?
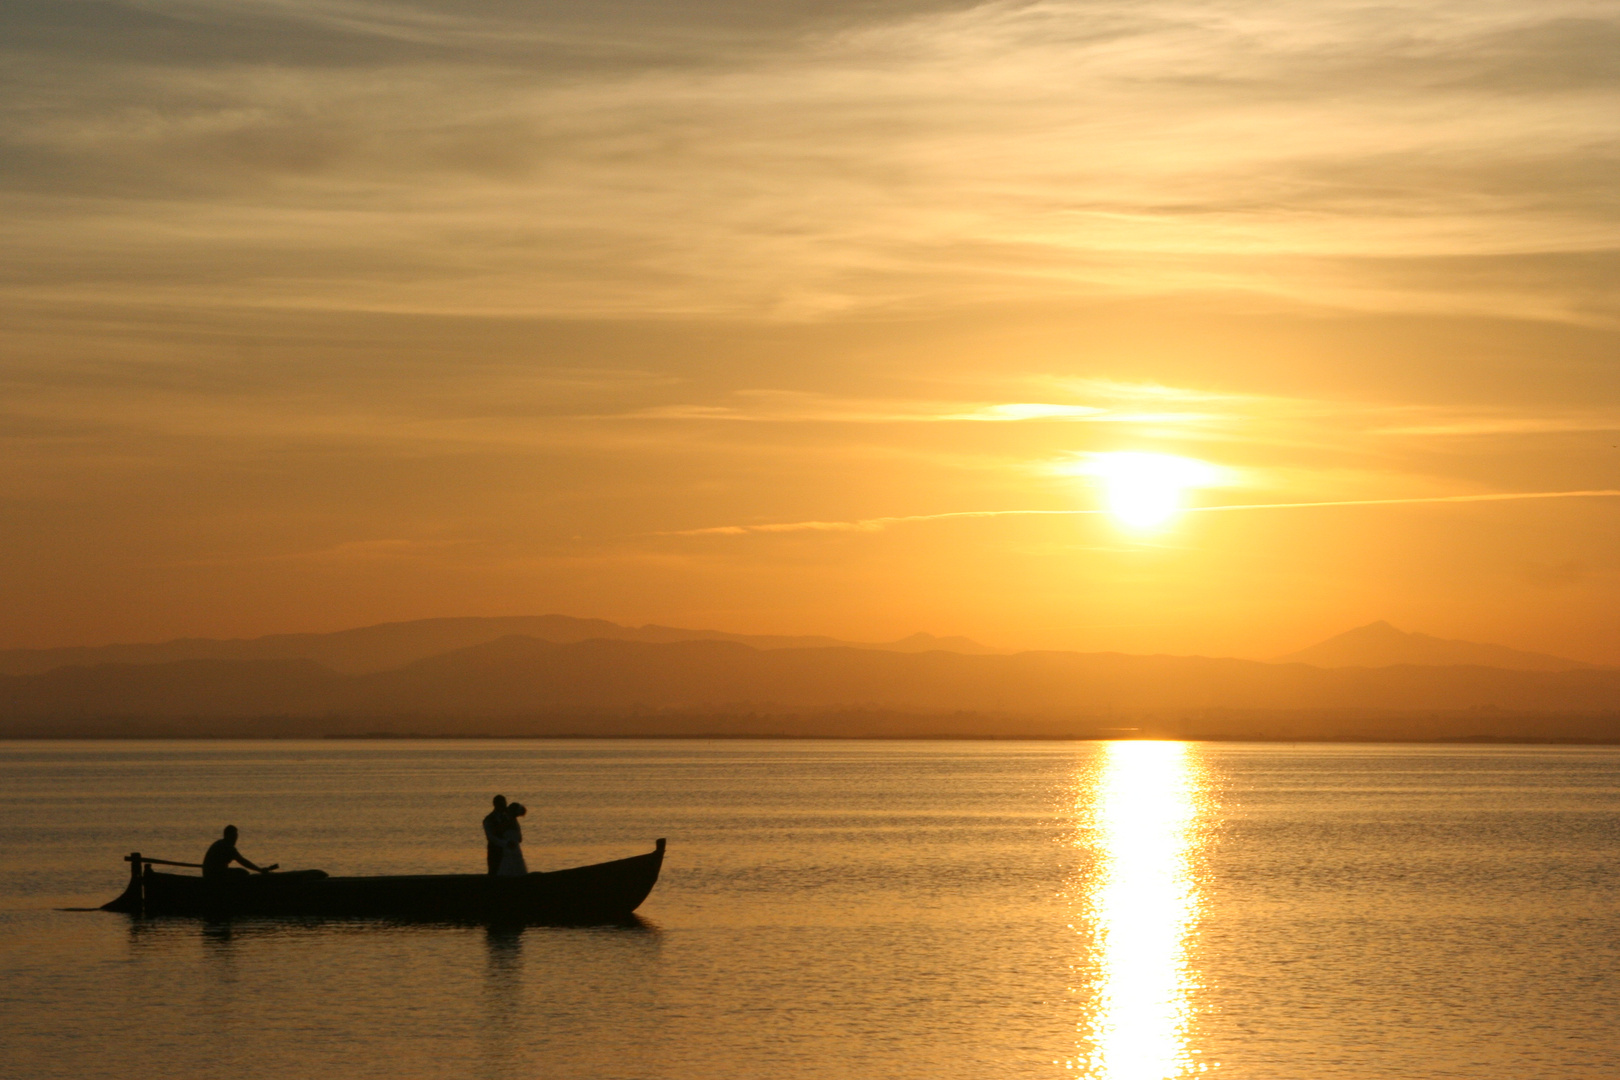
(925, 642)
(1381, 644)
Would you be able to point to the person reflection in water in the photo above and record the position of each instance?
(494, 833)
(222, 852)
(512, 864)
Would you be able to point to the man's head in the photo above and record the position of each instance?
(500, 802)
(230, 833)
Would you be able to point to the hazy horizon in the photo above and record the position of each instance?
(1161, 327)
(1361, 638)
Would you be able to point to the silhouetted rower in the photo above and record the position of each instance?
(222, 852)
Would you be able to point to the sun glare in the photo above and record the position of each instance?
(1144, 490)
(1143, 904)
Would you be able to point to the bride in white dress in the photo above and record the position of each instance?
(512, 864)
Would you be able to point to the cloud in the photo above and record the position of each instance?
(775, 406)
(347, 553)
(1501, 423)
(1163, 412)
(614, 159)
(879, 524)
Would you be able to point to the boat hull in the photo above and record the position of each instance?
(600, 893)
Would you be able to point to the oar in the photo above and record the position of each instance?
(193, 865)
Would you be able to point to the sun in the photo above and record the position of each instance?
(1143, 490)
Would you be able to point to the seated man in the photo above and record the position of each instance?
(222, 852)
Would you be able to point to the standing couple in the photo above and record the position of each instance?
(505, 838)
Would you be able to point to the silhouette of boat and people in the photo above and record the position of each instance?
(231, 883)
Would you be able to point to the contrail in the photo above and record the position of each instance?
(878, 524)
(868, 524)
(1504, 496)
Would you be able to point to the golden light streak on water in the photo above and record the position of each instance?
(1140, 904)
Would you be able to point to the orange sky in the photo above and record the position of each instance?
(319, 313)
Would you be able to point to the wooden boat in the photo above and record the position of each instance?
(604, 892)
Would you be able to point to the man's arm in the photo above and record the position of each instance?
(237, 856)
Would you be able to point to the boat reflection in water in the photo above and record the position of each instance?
(1139, 814)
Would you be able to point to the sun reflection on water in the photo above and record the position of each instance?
(1139, 906)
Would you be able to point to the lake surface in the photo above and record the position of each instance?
(1115, 911)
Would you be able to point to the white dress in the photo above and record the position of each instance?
(512, 864)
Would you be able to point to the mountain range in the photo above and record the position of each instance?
(608, 679)
(392, 645)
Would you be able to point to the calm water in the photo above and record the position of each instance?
(1117, 911)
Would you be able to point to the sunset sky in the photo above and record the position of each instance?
(760, 316)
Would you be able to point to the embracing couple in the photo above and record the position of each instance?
(505, 838)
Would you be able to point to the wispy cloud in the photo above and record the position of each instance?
(399, 157)
(354, 552)
(878, 524)
(1167, 412)
(1500, 422)
(767, 406)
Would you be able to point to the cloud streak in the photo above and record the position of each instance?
(799, 408)
(878, 524)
